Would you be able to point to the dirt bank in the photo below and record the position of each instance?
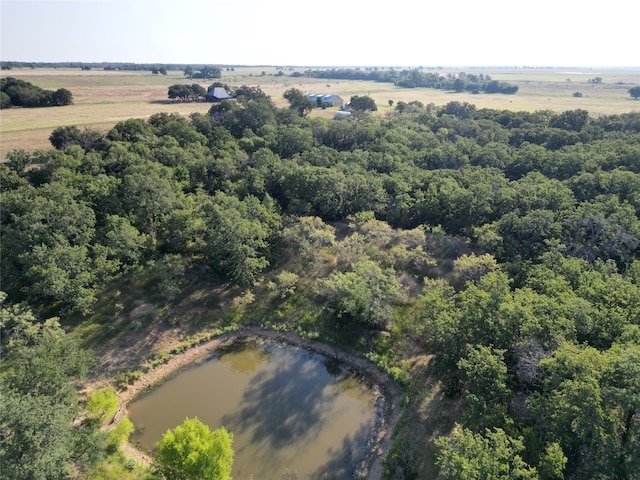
(388, 393)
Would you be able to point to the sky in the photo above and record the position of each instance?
(555, 33)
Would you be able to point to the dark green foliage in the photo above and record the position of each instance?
(239, 236)
(185, 93)
(299, 102)
(36, 438)
(64, 137)
(20, 93)
(61, 97)
(5, 100)
(41, 367)
(502, 244)
(363, 103)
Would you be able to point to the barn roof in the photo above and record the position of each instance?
(218, 92)
(325, 98)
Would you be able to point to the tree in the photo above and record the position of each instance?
(461, 110)
(308, 235)
(188, 71)
(149, 193)
(291, 140)
(588, 405)
(35, 438)
(61, 97)
(487, 393)
(365, 294)
(209, 71)
(255, 114)
(197, 92)
(299, 102)
(64, 137)
(572, 120)
(25, 94)
(492, 456)
(102, 405)
(180, 91)
(363, 104)
(192, 451)
(634, 92)
(239, 236)
(472, 267)
(38, 439)
(5, 100)
(123, 241)
(245, 94)
(18, 160)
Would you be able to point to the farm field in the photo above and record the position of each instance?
(103, 98)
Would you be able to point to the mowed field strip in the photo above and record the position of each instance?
(103, 98)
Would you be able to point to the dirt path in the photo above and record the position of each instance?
(387, 392)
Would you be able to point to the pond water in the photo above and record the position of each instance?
(293, 413)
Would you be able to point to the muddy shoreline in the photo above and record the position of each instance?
(387, 393)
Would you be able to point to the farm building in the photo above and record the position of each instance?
(328, 100)
(216, 94)
(341, 114)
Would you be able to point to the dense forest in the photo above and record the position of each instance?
(500, 246)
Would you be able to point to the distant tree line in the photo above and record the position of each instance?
(9, 65)
(206, 71)
(415, 78)
(19, 93)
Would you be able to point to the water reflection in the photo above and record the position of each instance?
(290, 410)
(243, 358)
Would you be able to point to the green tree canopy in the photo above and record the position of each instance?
(363, 103)
(493, 456)
(192, 451)
(299, 102)
(41, 368)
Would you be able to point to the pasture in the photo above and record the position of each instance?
(103, 98)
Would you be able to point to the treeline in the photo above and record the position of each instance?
(127, 66)
(518, 233)
(415, 78)
(19, 93)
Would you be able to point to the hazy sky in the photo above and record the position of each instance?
(329, 32)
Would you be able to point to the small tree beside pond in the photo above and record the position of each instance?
(192, 451)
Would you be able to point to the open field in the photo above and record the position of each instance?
(103, 98)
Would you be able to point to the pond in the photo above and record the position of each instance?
(293, 413)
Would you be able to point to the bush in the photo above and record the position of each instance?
(102, 405)
(120, 434)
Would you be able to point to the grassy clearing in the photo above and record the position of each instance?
(103, 98)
